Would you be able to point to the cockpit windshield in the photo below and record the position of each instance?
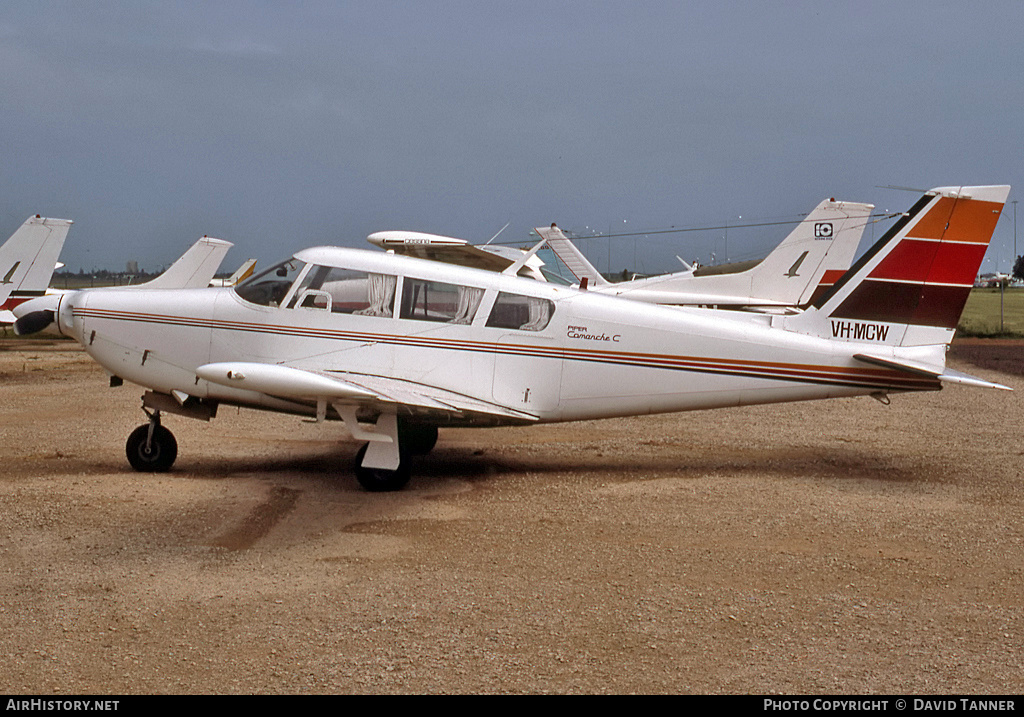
(269, 288)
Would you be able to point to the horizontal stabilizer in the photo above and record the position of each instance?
(921, 369)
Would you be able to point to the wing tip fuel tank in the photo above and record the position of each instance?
(277, 380)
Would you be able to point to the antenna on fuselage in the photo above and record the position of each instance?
(496, 235)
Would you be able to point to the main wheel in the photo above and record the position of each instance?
(380, 479)
(160, 454)
(418, 439)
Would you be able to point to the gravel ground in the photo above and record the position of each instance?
(830, 547)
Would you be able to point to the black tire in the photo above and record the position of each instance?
(163, 450)
(379, 480)
(417, 439)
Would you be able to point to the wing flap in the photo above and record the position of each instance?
(411, 393)
(344, 387)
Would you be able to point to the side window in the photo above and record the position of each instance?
(270, 287)
(343, 291)
(525, 313)
(436, 301)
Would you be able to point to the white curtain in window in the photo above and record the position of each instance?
(380, 294)
(540, 314)
(468, 300)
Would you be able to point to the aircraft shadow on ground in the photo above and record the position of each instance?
(844, 463)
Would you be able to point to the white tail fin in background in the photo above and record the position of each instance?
(806, 263)
(28, 258)
(814, 255)
(572, 257)
(194, 269)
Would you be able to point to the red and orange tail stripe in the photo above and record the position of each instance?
(927, 275)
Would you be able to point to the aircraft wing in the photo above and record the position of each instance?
(439, 248)
(350, 388)
(459, 252)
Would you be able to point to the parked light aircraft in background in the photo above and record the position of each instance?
(797, 271)
(243, 272)
(805, 265)
(27, 261)
(192, 270)
(395, 346)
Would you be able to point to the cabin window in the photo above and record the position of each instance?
(271, 286)
(524, 313)
(344, 291)
(436, 301)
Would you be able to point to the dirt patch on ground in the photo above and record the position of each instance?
(1005, 355)
(830, 547)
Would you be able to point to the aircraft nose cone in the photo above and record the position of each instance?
(32, 322)
(40, 303)
(44, 313)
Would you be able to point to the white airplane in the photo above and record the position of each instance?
(27, 261)
(395, 346)
(797, 271)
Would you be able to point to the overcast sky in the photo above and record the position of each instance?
(280, 125)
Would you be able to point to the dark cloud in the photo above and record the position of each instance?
(281, 125)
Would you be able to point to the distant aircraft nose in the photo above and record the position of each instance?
(44, 313)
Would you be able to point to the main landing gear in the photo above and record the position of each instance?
(412, 440)
(151, 448)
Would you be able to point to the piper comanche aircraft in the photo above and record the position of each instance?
(27, 262)
(802, 267)
(395, 346)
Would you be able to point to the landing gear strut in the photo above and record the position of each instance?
(380, 480)
(151, 448)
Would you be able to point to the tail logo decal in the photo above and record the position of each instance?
(823, 230)
(796, 265)
(7, 278)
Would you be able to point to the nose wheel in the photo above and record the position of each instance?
(151, 448)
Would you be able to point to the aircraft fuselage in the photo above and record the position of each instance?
(595, 357)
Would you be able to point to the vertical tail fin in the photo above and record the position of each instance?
(195, 268)
(569, 255)
(28, 258)
(910, 288)
(813, 256)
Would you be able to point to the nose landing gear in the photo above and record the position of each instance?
(151, 448)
